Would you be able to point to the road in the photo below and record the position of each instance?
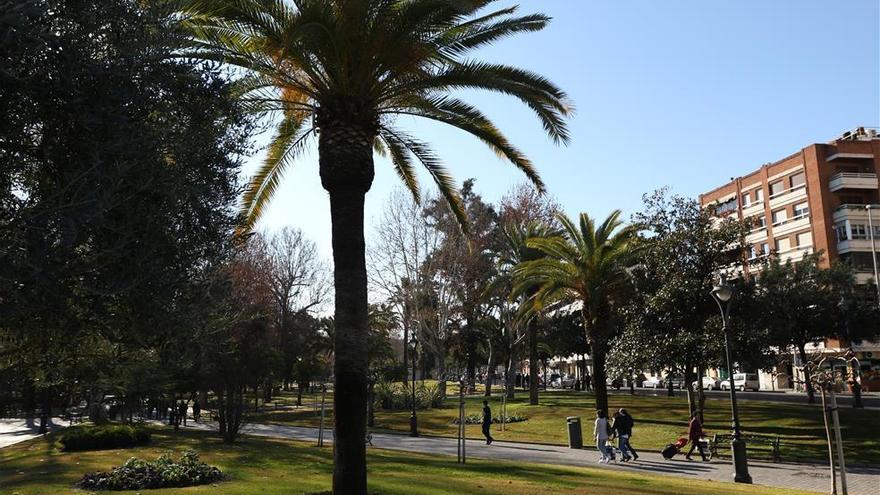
(871, 400)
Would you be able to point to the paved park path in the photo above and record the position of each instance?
(13, 431)
(860, 480)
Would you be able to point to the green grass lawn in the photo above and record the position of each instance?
(268, 466)
(659, 421)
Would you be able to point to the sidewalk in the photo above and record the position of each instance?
(860, 481)
(13, 431)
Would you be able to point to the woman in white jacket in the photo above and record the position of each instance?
(600, 432)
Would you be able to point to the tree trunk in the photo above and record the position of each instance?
(808, 383)
(670, 392)
(701, 394)
(405, 350)
(688, 383)
(46, 411)
(346, 167)
(509, 381)
(440, 364)
(597, 353)
(533, 363)
(490, 372)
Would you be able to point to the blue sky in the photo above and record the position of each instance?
(678, 93)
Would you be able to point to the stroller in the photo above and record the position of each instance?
(672, 449)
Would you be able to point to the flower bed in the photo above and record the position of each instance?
(477, 419)
(164, 472)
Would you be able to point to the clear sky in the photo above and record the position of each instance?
(684, 93)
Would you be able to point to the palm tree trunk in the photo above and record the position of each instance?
(597, 353)
(533, 363)
(346, 167)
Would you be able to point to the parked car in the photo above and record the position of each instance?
(653, 382)
(709, 383)
(568, 382)
(743, 381)
(677, 381)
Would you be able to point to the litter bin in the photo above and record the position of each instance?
(575, 438)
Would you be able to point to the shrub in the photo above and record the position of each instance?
(164, 472)
(104, 437)
(396, 397)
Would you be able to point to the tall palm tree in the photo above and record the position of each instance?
(339, 71)
(587, 265)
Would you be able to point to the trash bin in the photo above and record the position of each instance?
(575, 438)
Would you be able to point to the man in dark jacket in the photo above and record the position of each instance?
(487, 422)
(623, 426)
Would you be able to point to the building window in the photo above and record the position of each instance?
(776, 188)
(801, 210)
(859, 231)
(840, 230)
(783, 245)
(753, 252)
(759, 195)
(797, 180)
(805, 239)
(758, 222)
(779, 216)
(729, 205)
(765, 248)
(746, 199)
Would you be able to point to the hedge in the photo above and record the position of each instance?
(104, 437)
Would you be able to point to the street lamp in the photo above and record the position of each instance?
(870, 207)
(723, 294)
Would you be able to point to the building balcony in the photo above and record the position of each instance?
(753, 208)
(791, 225)
(788, 196)
(855, 212)
(851, 245)
(852, 180)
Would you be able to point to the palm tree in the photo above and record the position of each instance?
(587, 265)
(513, 253)
(339, 71)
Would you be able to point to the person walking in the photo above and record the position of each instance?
(625, 435)
(695, 433)
(600, 433)
(487, 422)
(622, 427)
(181, 411)
(197, 410)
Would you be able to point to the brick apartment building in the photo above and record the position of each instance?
(821, 198)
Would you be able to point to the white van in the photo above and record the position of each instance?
(743, 381)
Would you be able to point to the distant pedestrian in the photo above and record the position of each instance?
(181, 412)
(600, 433)
(695, 434)
(197, 411)
(623, 426)
(487, 422)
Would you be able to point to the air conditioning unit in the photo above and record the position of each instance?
(869, 355)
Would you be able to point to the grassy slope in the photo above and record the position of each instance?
(659, 420)
(267, 466)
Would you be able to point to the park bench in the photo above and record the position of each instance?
(764, 440)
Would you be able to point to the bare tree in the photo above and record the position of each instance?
(403, 272)
(299, 282)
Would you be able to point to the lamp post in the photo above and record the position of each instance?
(723, 294)
(413, 420)
(873, 249)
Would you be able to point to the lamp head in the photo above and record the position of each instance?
(722, 291)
